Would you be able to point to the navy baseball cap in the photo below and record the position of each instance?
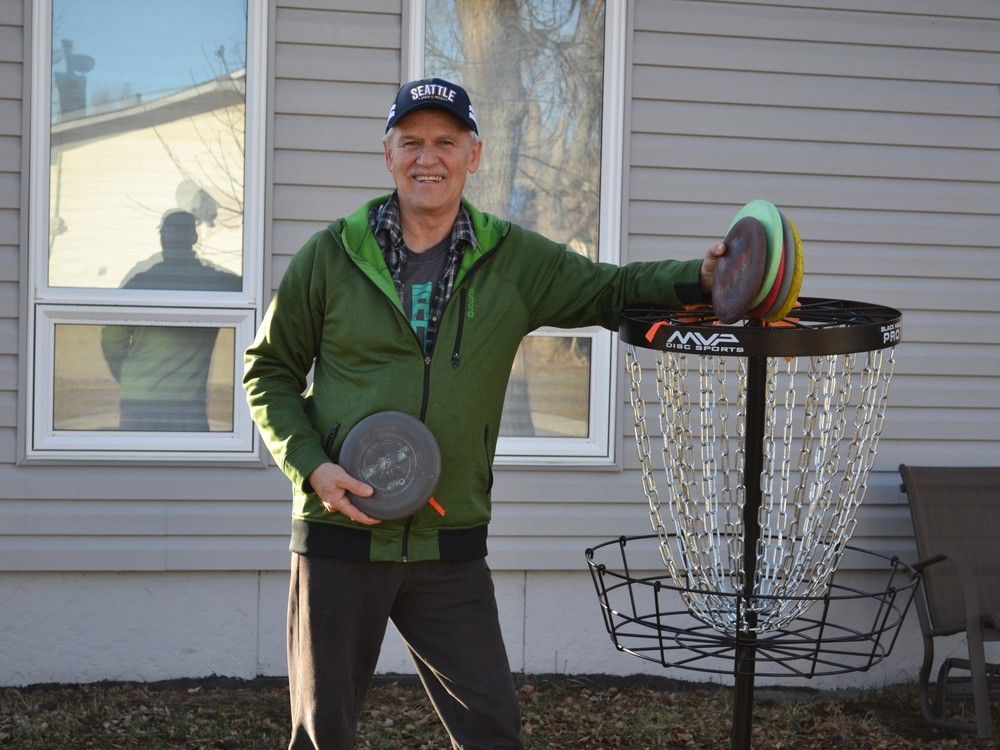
(432, 93)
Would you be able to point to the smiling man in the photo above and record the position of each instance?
(417, 303)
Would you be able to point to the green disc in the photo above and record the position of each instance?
(767, 214)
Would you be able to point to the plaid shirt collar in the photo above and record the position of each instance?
(387, 227)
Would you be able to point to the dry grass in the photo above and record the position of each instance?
(562, 712)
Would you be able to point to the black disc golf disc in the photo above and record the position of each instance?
(740, 272)
(396, 455)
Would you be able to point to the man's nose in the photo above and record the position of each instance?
(426, 155)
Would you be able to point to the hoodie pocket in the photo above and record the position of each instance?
(456, 352)
(331, 439)
(486, 453)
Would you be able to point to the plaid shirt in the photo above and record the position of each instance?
(388, 229)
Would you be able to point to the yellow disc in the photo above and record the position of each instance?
(793, 293)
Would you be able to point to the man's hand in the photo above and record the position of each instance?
(715, 252)
(332, 484)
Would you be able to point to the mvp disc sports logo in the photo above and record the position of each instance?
(695, 341)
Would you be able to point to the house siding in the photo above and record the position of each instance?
(11, 77)
(335, 69)
(875, 125)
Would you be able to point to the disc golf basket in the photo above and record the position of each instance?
(766, 434)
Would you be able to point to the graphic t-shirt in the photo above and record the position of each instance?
(421, 272)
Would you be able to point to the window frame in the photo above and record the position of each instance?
(48, 305)
(82, 443)
(573, 451)
(599, 448)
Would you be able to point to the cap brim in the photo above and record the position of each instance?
(431, 104)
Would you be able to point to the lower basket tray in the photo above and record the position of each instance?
(845, 630)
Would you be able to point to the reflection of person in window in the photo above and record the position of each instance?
(163, 370)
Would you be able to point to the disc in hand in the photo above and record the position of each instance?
(396, 455)
(738, 273)
(768, 215)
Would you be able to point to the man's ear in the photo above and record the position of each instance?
(477, 153)
(387, 149)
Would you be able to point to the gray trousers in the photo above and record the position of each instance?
(446, 613)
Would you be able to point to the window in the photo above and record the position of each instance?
(145, 227)
(546, 78)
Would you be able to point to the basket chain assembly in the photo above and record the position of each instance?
(810, 492)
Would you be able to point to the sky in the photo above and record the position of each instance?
(152, 47)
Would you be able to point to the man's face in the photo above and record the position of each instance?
(429, 155)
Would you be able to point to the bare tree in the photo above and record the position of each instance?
(560, 161)
(534, 68)
(493, 44)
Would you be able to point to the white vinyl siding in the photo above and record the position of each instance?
(335, 70)
(11, 68)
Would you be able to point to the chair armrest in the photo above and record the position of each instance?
(966, 581)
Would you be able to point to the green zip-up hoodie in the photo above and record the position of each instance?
(338, 311)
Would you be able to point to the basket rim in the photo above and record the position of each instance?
(818, 326)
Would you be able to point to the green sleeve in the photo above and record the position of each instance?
(573, 291)
(277, 363)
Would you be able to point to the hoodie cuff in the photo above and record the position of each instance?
(298, 466)
(687, 287)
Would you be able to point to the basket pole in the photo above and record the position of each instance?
(746, 648)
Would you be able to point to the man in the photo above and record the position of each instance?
(416, 303)
(163, 370)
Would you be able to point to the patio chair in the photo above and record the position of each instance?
(956, 523)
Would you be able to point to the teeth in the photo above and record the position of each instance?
(428, 178)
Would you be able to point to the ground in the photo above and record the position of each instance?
(560, 712)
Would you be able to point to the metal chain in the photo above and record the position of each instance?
(809, 503)
(641, 433)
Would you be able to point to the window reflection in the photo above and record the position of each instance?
(143, 378)
(177, 265)
(148, 115)
(535, 71)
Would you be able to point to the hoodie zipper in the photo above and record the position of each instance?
(455, 358)
(423, 401)
(405, 552)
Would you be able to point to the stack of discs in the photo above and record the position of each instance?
(761, 273)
